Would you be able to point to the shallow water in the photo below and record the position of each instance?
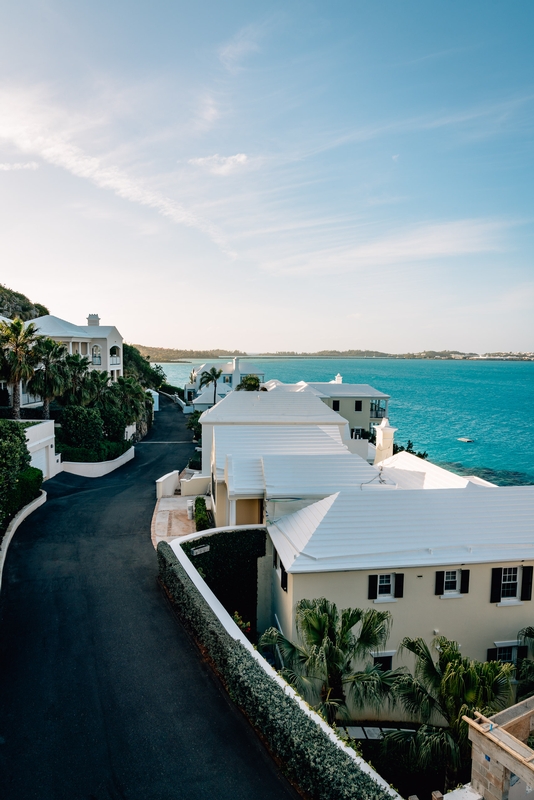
(433, 403)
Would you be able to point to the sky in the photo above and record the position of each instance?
(277, 176)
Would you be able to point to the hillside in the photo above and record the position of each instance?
(166, 354)
(14, 304)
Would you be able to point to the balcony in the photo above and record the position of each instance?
(96, 361)
(114, 361)
(378, 413)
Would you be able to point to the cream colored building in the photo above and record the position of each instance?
(455, 562)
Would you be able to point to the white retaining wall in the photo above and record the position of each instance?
(167, 484)
(98, 468)
(226, 620)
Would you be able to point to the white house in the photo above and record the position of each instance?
(232, 372)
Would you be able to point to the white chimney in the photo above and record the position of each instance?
(93, 320)
(237, 374)
(338, 379)
(385, 435)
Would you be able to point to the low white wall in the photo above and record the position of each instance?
(40, 440)
(14, 524)
(98, 468)
(226, 620)
(167, 484)
(358, 446)
(198, 484)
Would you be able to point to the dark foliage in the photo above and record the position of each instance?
(203, 519)
(82, 427)
(139, 367)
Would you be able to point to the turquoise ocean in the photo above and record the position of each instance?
(433, 403)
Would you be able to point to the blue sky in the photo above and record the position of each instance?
(280, 176)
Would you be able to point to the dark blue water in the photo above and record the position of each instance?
(433, 403)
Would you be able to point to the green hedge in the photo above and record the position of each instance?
(106, 451)
(27, 488)
(230, 568)
(202, 517)
(170, 389)
(309, 757)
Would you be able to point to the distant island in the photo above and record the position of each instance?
(168, 354)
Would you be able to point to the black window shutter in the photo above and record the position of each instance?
(357, 405)
(496, 582)
(373, 587)
(399, 584)
(464, 581)
(440, 582)
(526, 584)
(283, 577)
(492, 654)
(522, 650)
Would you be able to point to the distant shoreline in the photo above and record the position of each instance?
(340, 358)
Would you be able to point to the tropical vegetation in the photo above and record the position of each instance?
(209, 377)
(442, 690)
(248, 383)
(19, 356)
(19, 482)
(321, 665)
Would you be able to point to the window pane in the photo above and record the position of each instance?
(505, 653)
(451, 580)
(509, 582)
(384, 584)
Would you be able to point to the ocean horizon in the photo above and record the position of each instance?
(433, 403)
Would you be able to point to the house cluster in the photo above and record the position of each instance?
(100, 344)
(353, 522)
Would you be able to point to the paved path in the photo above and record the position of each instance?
(102, 695)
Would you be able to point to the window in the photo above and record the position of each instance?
(335, 405)
(357, 405)
(507, 652)
(511, 584)
(227, 379)
(386, 587)
(384, 662)
(452, 582)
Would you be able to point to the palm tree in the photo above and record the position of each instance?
(49, 378)
(100, 387)
(77, 391)
(439, 694)
(321, 666)
(131, 398)
(19, 359)
(526, 665)
(249, 383)
(211, 377)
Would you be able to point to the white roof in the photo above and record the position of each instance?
(244, 476)
(228, 368)
(61, 328)
(5, 319)
(252, 441)
(318, 475)
(332, 389)
(355, 530)
(272, 408)
(410, 472)
(301, 386)
(206, 397)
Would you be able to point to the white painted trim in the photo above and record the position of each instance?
(451, 596)
(98, 468)
(510, 643)
(512, 601)
(228, 623)
(14, 524)
(384, 599)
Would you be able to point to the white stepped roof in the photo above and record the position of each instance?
(277, 386)
(332, 389)
(272, 408)
(256, 440)
(228, 368)
(318, 475)
(244, 476)
(355, 530)
(61, 328)
(206, 397)
(411, 472)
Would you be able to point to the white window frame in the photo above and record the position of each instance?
(391, 594)
(451, 592)
(511, 599)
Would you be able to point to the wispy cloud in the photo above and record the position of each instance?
(221, 165)
(421, 243)
(34, 125)
(241, 45)
(9, 167)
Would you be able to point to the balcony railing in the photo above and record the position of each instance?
(113, 360)
(96, 361)
(378, 413)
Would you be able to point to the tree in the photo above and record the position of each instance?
(440, 693)
(211, 377)
(78, 389)
(321, 666)
(249, 383)
(139, 367)
(526, 666)
(100, 389)
(19, 359)
(49, 378)
(130, 397)
(14, 458)
(194, 425)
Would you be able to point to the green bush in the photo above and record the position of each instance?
(169, 389)
(193, 424)
(195, 462)
(26, 489)
(114, 422)
(106, 451)
(14, 458)
(82, 427)
(202, 516)
(309, 757)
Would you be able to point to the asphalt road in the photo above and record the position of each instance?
(102, 694)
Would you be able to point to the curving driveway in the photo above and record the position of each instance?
(102, 694)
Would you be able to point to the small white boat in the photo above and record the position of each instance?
(465, 439)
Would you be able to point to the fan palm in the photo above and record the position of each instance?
(130, 398)
(249, 383)
(100, 388)
(77, 391)
(440, 693)
(211, 377)
(19, 358)
(49, 378)
(321, 666)
(526, 667)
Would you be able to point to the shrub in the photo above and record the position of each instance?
(114, 422)
(27, 488)
(170, 389)
(195, 462)
(106, 451)
(194, 425)
(82, 427)
(202, 517)
(309, 757)
(14, 458)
